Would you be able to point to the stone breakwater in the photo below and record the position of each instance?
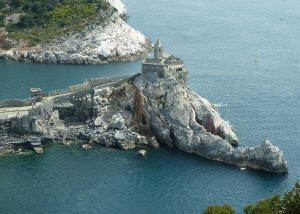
(113, 40)
(146, 109)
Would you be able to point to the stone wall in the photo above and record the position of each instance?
(78, 90)
(152, 68)
(153, 61)
(55, 92)
(174, 62)
(101, 81)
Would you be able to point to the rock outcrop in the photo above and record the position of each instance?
(120, 7)
(110, 41)
(146, 109)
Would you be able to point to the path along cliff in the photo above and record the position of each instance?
(151, 108)
(110, 40)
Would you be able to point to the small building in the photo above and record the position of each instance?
(36, 93)
(162, 62)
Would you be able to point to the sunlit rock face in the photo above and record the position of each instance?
(120, 7)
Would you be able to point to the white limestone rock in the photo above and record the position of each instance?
(38, 149)
(13, 18)
(121, 8)
(180, 118)
(209, 117)
(117, 122)
(142, 153)
(86, 146)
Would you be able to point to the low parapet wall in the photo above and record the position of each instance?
(152, 68)
(153, 61)
(73, 90)
(101, 81)
(174, 62)
(55, 92)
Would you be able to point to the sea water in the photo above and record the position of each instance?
(243, 56)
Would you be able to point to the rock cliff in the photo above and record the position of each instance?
(111, 40)
(149, 108)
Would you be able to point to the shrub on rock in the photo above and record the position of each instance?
(217, 209)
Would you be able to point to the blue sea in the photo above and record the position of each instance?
(219, 42)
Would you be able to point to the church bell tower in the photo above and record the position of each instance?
(158, 50)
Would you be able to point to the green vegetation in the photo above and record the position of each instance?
(2, 17)
(42, 20)
(216, 209)
(2, 5)
(267, 206)
(289, 203)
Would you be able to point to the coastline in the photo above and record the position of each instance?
(154, 107)
(111, 41)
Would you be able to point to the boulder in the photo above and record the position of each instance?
(86, 146)
(142, 153)
(13, 18)
(38, 149)
(153, 143)
(117, 122)
(8, 44)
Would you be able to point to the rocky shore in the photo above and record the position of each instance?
(111, 41)
(151, 108)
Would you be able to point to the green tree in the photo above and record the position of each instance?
(217, 209)
(2, 5)
(265, 206)
(2, 20)
(290, 202)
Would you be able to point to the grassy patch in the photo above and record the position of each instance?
(44, 20)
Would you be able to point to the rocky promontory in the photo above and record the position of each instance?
(110, 40)
(151, 108)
